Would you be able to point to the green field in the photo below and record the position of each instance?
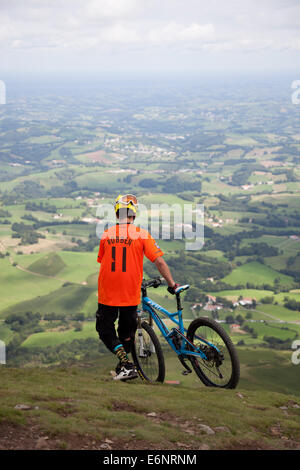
(257, 274)
(67, 300)
(69, 266)
(54, 338)
(25, 285)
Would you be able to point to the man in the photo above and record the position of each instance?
(121, 252)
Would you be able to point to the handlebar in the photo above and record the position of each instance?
(152, 282)
(156, 282)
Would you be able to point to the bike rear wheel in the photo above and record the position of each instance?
(147, 354)
(219, 369)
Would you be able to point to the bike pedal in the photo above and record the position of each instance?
(186, 372)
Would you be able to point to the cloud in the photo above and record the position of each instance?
(153, 32)
(111, 9)
(173, 32)
(120, 34)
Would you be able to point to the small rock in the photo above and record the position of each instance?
(221, 429)
(22, 407)
(105, 446)
(41, 443)
(181, 444)
(203, 447)
(108, 441)
(188, 431)
(152, 414)
(275, 431)
(240, 395)
(206, 429)
(283, 407)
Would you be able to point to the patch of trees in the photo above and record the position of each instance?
(194, 294)
(241, 175)
(292, 304)
(52, 223)
(26, 233)
(34, 152)
(291, 270)
(4, 213)
(29, 217)
(29, 189)
(200, 142)
(192, 269)
(225, 302)
(237, 161)
(64, 190)
(148, 183)
(277, 221)
(23, 321)
(250, 330)
(8, 124)
(71, 352)
(34, 206)
(229, 244)
(92, 242)
(67, 154)
(267, 300)
(277, 343)
(176, 184)
(257, 249)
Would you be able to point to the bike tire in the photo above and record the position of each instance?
(151, 368)
(205, 369)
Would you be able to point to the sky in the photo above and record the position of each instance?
(147, 38)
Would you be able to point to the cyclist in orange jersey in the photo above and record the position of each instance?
(121, 252)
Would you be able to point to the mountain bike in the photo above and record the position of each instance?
(205, 344)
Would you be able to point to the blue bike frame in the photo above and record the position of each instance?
(149, 306)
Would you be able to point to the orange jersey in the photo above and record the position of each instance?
(121, 252)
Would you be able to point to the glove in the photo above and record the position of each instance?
(172, 289)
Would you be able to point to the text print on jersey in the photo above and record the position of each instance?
(126, 241)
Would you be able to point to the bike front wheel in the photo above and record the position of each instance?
(220, 367)
(147, 354)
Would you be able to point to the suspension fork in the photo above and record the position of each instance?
(140, 334)
(141, 342)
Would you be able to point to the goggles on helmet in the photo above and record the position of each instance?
(129, 201)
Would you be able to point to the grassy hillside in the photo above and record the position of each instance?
(48, 265)
(257, 274)
(67, 300)
(81, 407)
(25, 285)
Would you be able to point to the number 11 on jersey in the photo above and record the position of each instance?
(113, 256)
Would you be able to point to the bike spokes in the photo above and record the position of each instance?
(147, 354)
(219, 365)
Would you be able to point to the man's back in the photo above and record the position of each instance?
(121, 252)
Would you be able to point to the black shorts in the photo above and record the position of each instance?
(106, 317)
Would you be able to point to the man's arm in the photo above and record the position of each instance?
(164, 270)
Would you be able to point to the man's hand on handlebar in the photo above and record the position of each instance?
(172, 289)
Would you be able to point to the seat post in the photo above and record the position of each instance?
(179, 307)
